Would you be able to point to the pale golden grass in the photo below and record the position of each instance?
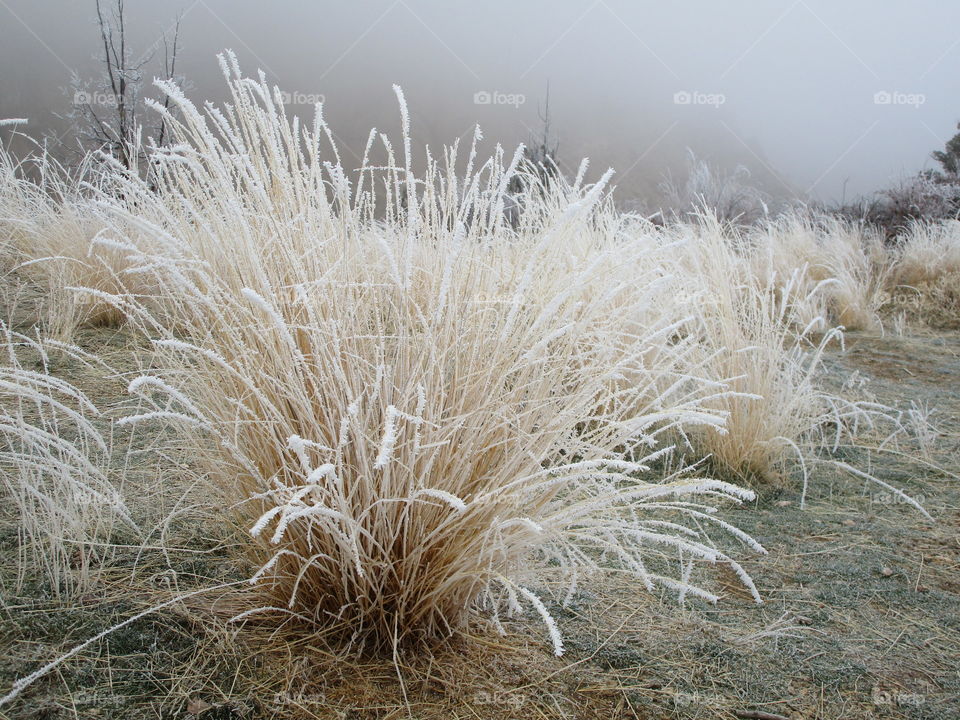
(416, 412)
(760, 334)
(54, 464)
(925, 274)
(48, 226)
(844, 266)
(928, 252)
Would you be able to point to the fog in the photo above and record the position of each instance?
(818, 99)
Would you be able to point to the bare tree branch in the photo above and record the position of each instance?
(118, 131)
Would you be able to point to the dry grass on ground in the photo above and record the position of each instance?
(862, 597)
(428, 405)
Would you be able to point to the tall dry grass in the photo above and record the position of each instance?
(925, 275)
(415, 410)
(845, 267)
(55, 467)
(49, 227)
(419, 398)
(763, 335)
(929, 252)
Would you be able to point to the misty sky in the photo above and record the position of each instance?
(811, 95)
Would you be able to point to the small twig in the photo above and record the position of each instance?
(759, 715)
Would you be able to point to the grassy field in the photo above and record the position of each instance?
(860, 614)
(281, 439)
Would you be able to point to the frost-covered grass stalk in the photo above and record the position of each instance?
(415, 411)
(54, 464)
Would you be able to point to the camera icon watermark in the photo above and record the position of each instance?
(696, 97)
(495, 97)
(895, 97)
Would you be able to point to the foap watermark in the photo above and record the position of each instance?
(889, 498)
(99, 698)
(99, 98)
(896, 97)
(695, 97)
(301, 98)
(911, 298)
(495, 299)
(297, 699)
(501, 698)
(898, 698)
(693, 699)
(495, 97)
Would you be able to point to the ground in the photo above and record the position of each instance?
(860, 619)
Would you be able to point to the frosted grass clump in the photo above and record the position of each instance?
(928, 253)
(48, 233)
(845, 267)
(416, 410)
(54, 463)
(755, 332)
